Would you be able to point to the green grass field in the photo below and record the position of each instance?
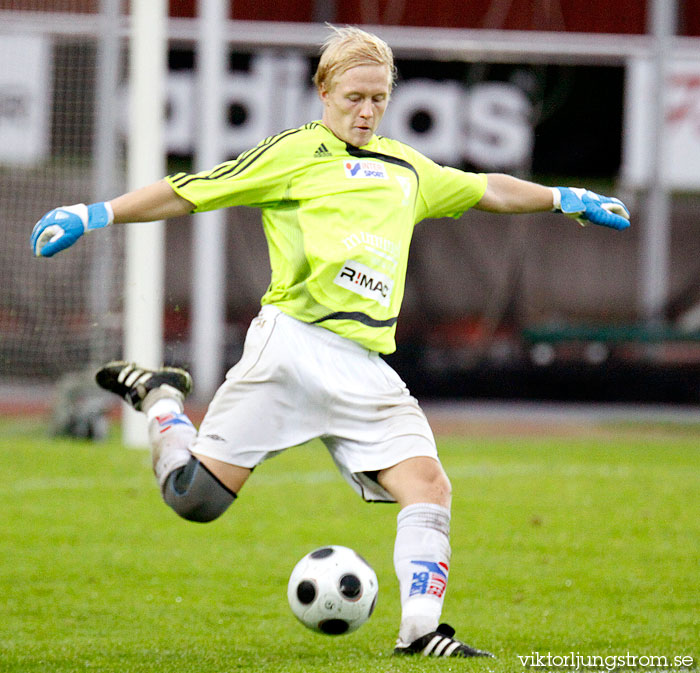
(560, 544)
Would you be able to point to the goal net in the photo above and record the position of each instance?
(62, 314)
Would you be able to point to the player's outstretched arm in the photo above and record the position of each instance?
(155, 202)
(506, 194)
(63, 226)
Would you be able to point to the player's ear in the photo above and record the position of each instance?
(323, 93)
(325, 89)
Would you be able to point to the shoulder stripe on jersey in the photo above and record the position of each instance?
(277, 139)
(232, 168)
(359, 317)
(218, 170)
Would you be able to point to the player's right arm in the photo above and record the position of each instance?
(63, 226)
(158, 201)
(256, 177)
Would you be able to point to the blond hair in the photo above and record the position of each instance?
(347, 48)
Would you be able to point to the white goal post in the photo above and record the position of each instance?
(145, 242)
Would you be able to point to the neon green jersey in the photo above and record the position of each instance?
(338, 221)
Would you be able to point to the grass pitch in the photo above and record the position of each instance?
(561, 544)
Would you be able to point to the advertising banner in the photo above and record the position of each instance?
(681, 158)
(25, 99)
(486, 117)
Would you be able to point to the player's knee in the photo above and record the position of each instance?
(433, 485)
(420, 479)
(196, 494)
(443, 487)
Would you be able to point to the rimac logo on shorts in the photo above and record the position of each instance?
(365, 169)
(365, 281)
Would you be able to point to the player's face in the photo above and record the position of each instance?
(355, 103)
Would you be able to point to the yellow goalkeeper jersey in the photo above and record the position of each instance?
(338, 221)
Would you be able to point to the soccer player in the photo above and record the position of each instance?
(339, 204)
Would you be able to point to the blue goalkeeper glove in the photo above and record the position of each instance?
(586, 206)
(61, 227)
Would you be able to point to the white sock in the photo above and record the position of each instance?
(171, 434)
(421, 561)
(163, 406)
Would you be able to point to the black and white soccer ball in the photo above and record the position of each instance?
(333, 590)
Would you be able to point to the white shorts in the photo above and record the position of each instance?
(296, 382)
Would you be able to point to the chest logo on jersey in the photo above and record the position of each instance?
(361, 168)
(365, 281)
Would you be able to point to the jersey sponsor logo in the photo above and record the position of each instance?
(431, 580)
(382, 247)
(362, 168)
(365, 281)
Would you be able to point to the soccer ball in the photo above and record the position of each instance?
(332, 590)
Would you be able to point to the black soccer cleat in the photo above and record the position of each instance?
(440, 643)
(132, 383)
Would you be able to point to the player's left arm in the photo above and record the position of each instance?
(507, 194)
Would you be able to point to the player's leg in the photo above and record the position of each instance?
(385, 448)
(196, 488)
(422, 555)
(247, 421)
(422, 547)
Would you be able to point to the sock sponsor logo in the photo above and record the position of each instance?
(166, 421)
(431, 581)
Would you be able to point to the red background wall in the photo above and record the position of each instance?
(591, 16)
(603, 16)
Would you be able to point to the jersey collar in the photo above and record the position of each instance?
(368, 146)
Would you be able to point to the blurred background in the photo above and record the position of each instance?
(574, 92)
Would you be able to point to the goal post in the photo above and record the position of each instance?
(145, 242)
(209, 235)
